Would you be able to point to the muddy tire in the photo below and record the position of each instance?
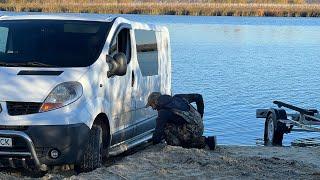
(92, 155)
(273, 131)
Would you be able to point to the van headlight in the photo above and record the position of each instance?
(62, 95)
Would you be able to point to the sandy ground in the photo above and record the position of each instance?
(227, 162)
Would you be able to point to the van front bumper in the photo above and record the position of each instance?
(32, 145)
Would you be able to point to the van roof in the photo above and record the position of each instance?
(57, 17)
(82, 18)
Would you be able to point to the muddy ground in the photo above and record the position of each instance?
(227, 162)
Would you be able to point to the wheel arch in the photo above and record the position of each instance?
(103, 120)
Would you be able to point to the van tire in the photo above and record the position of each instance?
(92, 155)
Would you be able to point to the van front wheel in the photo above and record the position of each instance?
(92, 155)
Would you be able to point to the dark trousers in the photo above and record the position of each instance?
(186, 135)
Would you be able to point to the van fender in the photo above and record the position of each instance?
(96, 107)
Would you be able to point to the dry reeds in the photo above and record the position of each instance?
(169, 8)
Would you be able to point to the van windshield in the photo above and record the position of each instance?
(51, 43)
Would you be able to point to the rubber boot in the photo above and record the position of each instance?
(211, 141)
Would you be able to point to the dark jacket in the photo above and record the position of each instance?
(165, 115)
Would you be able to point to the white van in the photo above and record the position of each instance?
(73, 90)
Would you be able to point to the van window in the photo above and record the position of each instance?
(147, 52)
(3, 38)
(121, 43)
(59, 43)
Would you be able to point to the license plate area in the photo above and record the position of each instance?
(5, 142)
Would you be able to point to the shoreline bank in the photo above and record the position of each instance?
(194, 9)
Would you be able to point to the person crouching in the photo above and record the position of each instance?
(178, 122)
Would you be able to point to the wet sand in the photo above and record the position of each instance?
(226, 162)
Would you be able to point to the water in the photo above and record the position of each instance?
(240, 64)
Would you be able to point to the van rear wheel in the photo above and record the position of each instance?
(92, 155)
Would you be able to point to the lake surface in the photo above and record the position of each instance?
(240, 64)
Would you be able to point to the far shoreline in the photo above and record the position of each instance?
(188, 9)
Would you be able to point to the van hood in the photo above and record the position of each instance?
(34, 84)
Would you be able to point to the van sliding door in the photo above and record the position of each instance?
(147, 78)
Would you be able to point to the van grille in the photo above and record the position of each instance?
(22, 108)
(15, 128)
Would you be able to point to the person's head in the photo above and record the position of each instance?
(153, 99)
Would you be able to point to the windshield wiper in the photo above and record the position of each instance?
(26, 64)
(37, 64)
(5, 64)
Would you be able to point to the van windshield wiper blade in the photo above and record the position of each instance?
(37, 64)
(28, 64)
(5, 64)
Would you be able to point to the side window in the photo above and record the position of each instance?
(3, 38)
(147, 52)
(121, 43)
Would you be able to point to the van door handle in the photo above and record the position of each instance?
(132, 79)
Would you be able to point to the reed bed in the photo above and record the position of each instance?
(163, 8)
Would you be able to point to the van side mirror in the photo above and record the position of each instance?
(118, 65)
